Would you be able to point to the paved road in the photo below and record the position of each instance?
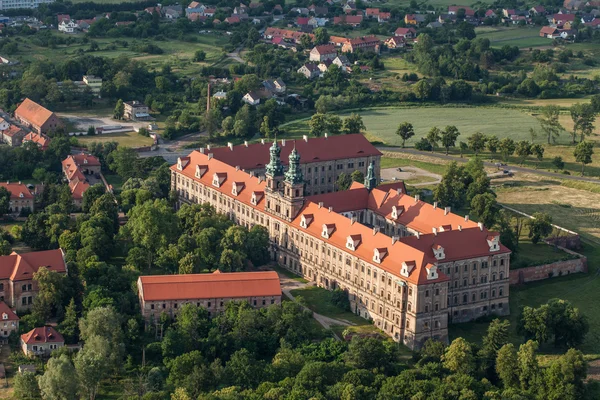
(489, 164)
(236, 55)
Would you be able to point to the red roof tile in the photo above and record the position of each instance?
(12, 131)
(16, 189)
(10, 314)
(256, 155)
(46, 334)
(39, 139)
(210, 286)
(33, 112)
(18, 267)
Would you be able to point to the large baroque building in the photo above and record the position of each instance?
(323, 158)
(409, 266)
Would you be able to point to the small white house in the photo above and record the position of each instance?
(251, 98)
(68, 27)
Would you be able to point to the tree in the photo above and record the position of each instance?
(449, 136)
(507, 148)
(405, 131)
(25, 386)
(353, 124)
(4, 201)
(451, 191)
(538, 151)
(583, 116)
(123, 161)
(523, 149)
(433, 137)
(533, 134)
(357, 176)
(91, 364)
(583, 154)
(232, 260)
(199, 55)
(528, 367)
(265, 128)
(104, 322)
(321, 36)
(334, 124)
(458, 357)
(343, 181)
(507, 366)
(492, 145)
(549, 122)
(68, 327)
(477, 142)
(91, 195)
(57, 383)
(119, 110)
(540, 226)
(558, 162)
(485, 207)
(317, 125)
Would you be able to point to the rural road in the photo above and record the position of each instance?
(489, 164)
(407, 173)
(236, 55)
(288, 284)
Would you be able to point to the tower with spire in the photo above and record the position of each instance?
(370, 178)
(294, 185)
(274, 169)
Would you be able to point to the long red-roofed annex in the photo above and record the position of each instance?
(21, 197)
(167, 293)
(410, 266)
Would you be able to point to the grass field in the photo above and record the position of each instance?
(129, 139)
(319, 300)
(524, 37)
(382, 123)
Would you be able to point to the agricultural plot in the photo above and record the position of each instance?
(521, 37)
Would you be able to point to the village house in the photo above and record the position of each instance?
(68, 26)
(21, 198)
(41, 341)
(309, 70)
(41, 140)
(324, 66)
(277, 86)
(365, 44)
(325, 158)
(251, 98)
(395, 42)
(352, 20)
(17, 286)
(409, 266)
(414, 19)
(537, 10)
(81, 172)
(168, 293)
(12, 135)
(322, 53)
(384, 17)
(9, 321)
(453, 10)
(94, 83)
(37, 118)
(136, 111)
(406, 33)
(318, 11)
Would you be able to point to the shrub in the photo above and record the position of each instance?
(339, 298)
(423, 145)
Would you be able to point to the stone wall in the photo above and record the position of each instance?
(540, 272)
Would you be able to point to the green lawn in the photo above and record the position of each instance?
(129, 139)
(381, 123)
(530, 254)
(319, 300)
(287, 273)
(522, 37)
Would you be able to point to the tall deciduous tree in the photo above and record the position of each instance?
(507, 366)
(485, 207)
(540, 227)
(492, 145)
(343, 181)
(523, 149)
(353, 124)
(458, 357)
(58, 381)
(317, 125)
(405, 131)
(119, 110)
(550, 123)
(583, 154)
(92, 364)
(583, 116)
(449, 136)
(538, 151)
(433, 137)
(507, 148)
(4, 201)
(477, 142)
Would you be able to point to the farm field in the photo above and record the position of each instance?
(381, 123)
(128, 139)
(521, 37)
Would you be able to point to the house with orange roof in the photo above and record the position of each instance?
(9, 321)
(41, 140)
(21, 198)
(81, 172)
(17, 286)
(167, 293)
(12, 135)
(409, 266)
(365, 44)
(37, 118)
(41, 341)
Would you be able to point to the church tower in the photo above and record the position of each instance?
(294, 185)
(371, 179)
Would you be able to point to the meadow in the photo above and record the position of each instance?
(381, 123)
(129, 139)
(524, 37)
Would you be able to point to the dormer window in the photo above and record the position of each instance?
(236, 188)
(256, 196)
(4, 316)
(397, 211)
(379, 254)
(353, 241)
(494, 242)
(182, 162)
(21, 195)
(432, 272)
(327, 230)
(201, 170)
(85, 161)
(305, 220)
(407, 267)
(438, 252)
(219, 178)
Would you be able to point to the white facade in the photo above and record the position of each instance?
(67, 26)
(12, 4)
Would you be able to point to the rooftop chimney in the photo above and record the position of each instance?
(480, 225)
(459, 227)
(330, 209)
(320, 204)
(262, 141)
(208, 147)
(467, 217)
(434, 229)
(375, 230)
(237, 167)
(260, 179)
(418, 235)
(325, 135)
(230, 145)
(446, 210)
(435, 203)
(282, 142)
(417, 198)
(246, 143)
(201, 150)
(210, 155)
(305, 138)
(251, 173)
(395, 238)
(352, 220)
(399, 191)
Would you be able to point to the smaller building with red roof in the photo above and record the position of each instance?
(36, 117)
(9, 321)
(41, 341)
(21, 199)
(81, 171)
(38, 138)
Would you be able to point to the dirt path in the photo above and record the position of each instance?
(407, 173)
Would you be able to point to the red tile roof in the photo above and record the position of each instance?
(39, 139)
(33, 112)
(324, 49)
(404, 31)
(352, 199)
(5, 310)
(45, 334)
(564, 17)
(386, 187)
(320, 149)
(83, 159)
(16, 189)
(548, 30)
(210, 286)
(78, 188)
(12, 131)
(17, 267)
(302, 21)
